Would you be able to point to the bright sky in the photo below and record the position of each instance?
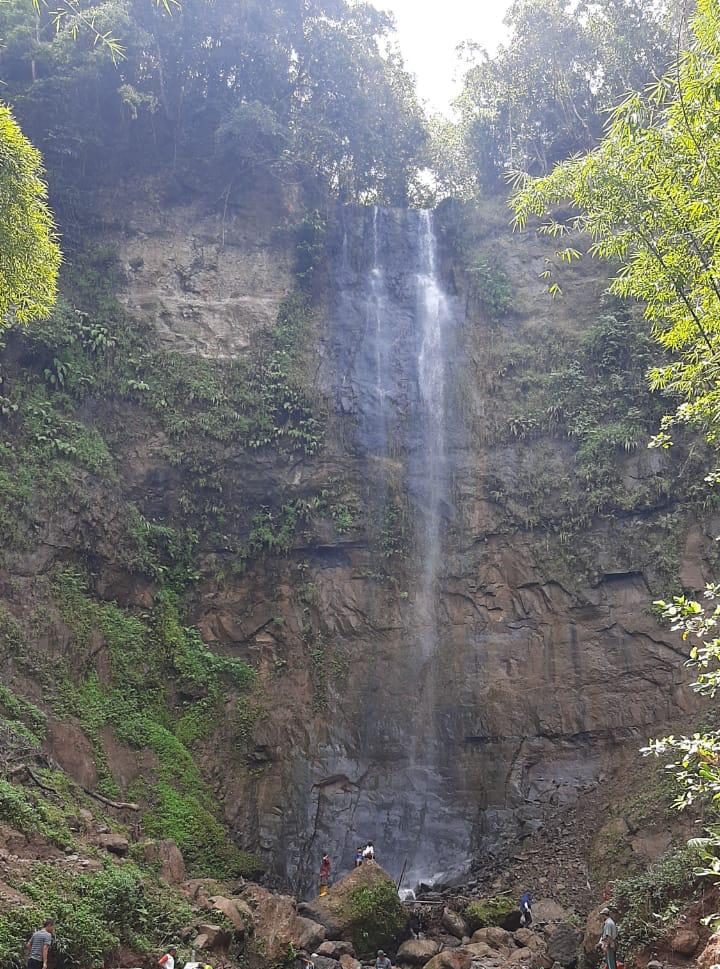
(429, 31)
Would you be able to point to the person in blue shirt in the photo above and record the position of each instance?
(526, 909)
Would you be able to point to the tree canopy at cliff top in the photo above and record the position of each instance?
(299, 88)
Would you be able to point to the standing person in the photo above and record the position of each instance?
(608, 939)
(358, 857)
(382, 961)
(324, 873)
(38, 945)
(526, 909)
(167, 961)
(368, 852)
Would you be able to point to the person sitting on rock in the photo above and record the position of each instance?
(382, 961)
(369, 852)
(526, 909)
(358, 857)
(608, 939)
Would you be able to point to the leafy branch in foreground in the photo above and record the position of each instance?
(649, 198)
(698, 768)
(29, 253)
(71, 16)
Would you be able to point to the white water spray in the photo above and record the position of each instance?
(433, 317)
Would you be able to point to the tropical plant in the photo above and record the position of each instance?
(29, 253)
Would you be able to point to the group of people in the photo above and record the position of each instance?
(361, 854)
(40, 942)
(364, 854)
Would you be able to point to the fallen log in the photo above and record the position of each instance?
(118, 805)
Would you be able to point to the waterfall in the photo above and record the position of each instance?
(390, 766)
(433, 317)
(377, 319)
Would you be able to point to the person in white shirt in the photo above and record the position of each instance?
(168, 960)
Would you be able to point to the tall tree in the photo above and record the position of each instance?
(544, 95)
(303, 88)
(29, 253)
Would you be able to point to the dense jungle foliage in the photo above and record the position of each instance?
(305, 90)
(314, 94)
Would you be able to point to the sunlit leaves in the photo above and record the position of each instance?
(29, 253)
(649, 199)
(71, 16)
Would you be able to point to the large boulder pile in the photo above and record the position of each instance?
(362, 908)
(278, 928)
(489, 948)
(463, 933)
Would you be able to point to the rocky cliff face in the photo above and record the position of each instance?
(465, 644)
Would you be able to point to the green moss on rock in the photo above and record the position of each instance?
(378, 917)
(489, 911)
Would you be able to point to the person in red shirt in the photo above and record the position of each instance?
(324, 873)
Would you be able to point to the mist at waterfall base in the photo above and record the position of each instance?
(394, 325)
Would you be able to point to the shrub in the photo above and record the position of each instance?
(650, 900)
(95, 912)
(378, 915)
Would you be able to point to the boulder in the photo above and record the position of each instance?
(541, 960)
(362, 908)
(277, 925)
(499, 910)
(685, 942)
(454, 923)
(481, 950)
(593, 928)
(349, 962)
(521, 955)
(548, 910)
(564, 944)
(494, 936)
(448, 941)
(416, 952)
(168, 857)
(199, 890)
(306, 934)
(710, 956)
(237, 912)
(528, 939)
(325, 962)
(451, 959)
(213, 937)
(334, 948)
(116, 844)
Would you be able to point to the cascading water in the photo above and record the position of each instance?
(433, 317)
(385, 774)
